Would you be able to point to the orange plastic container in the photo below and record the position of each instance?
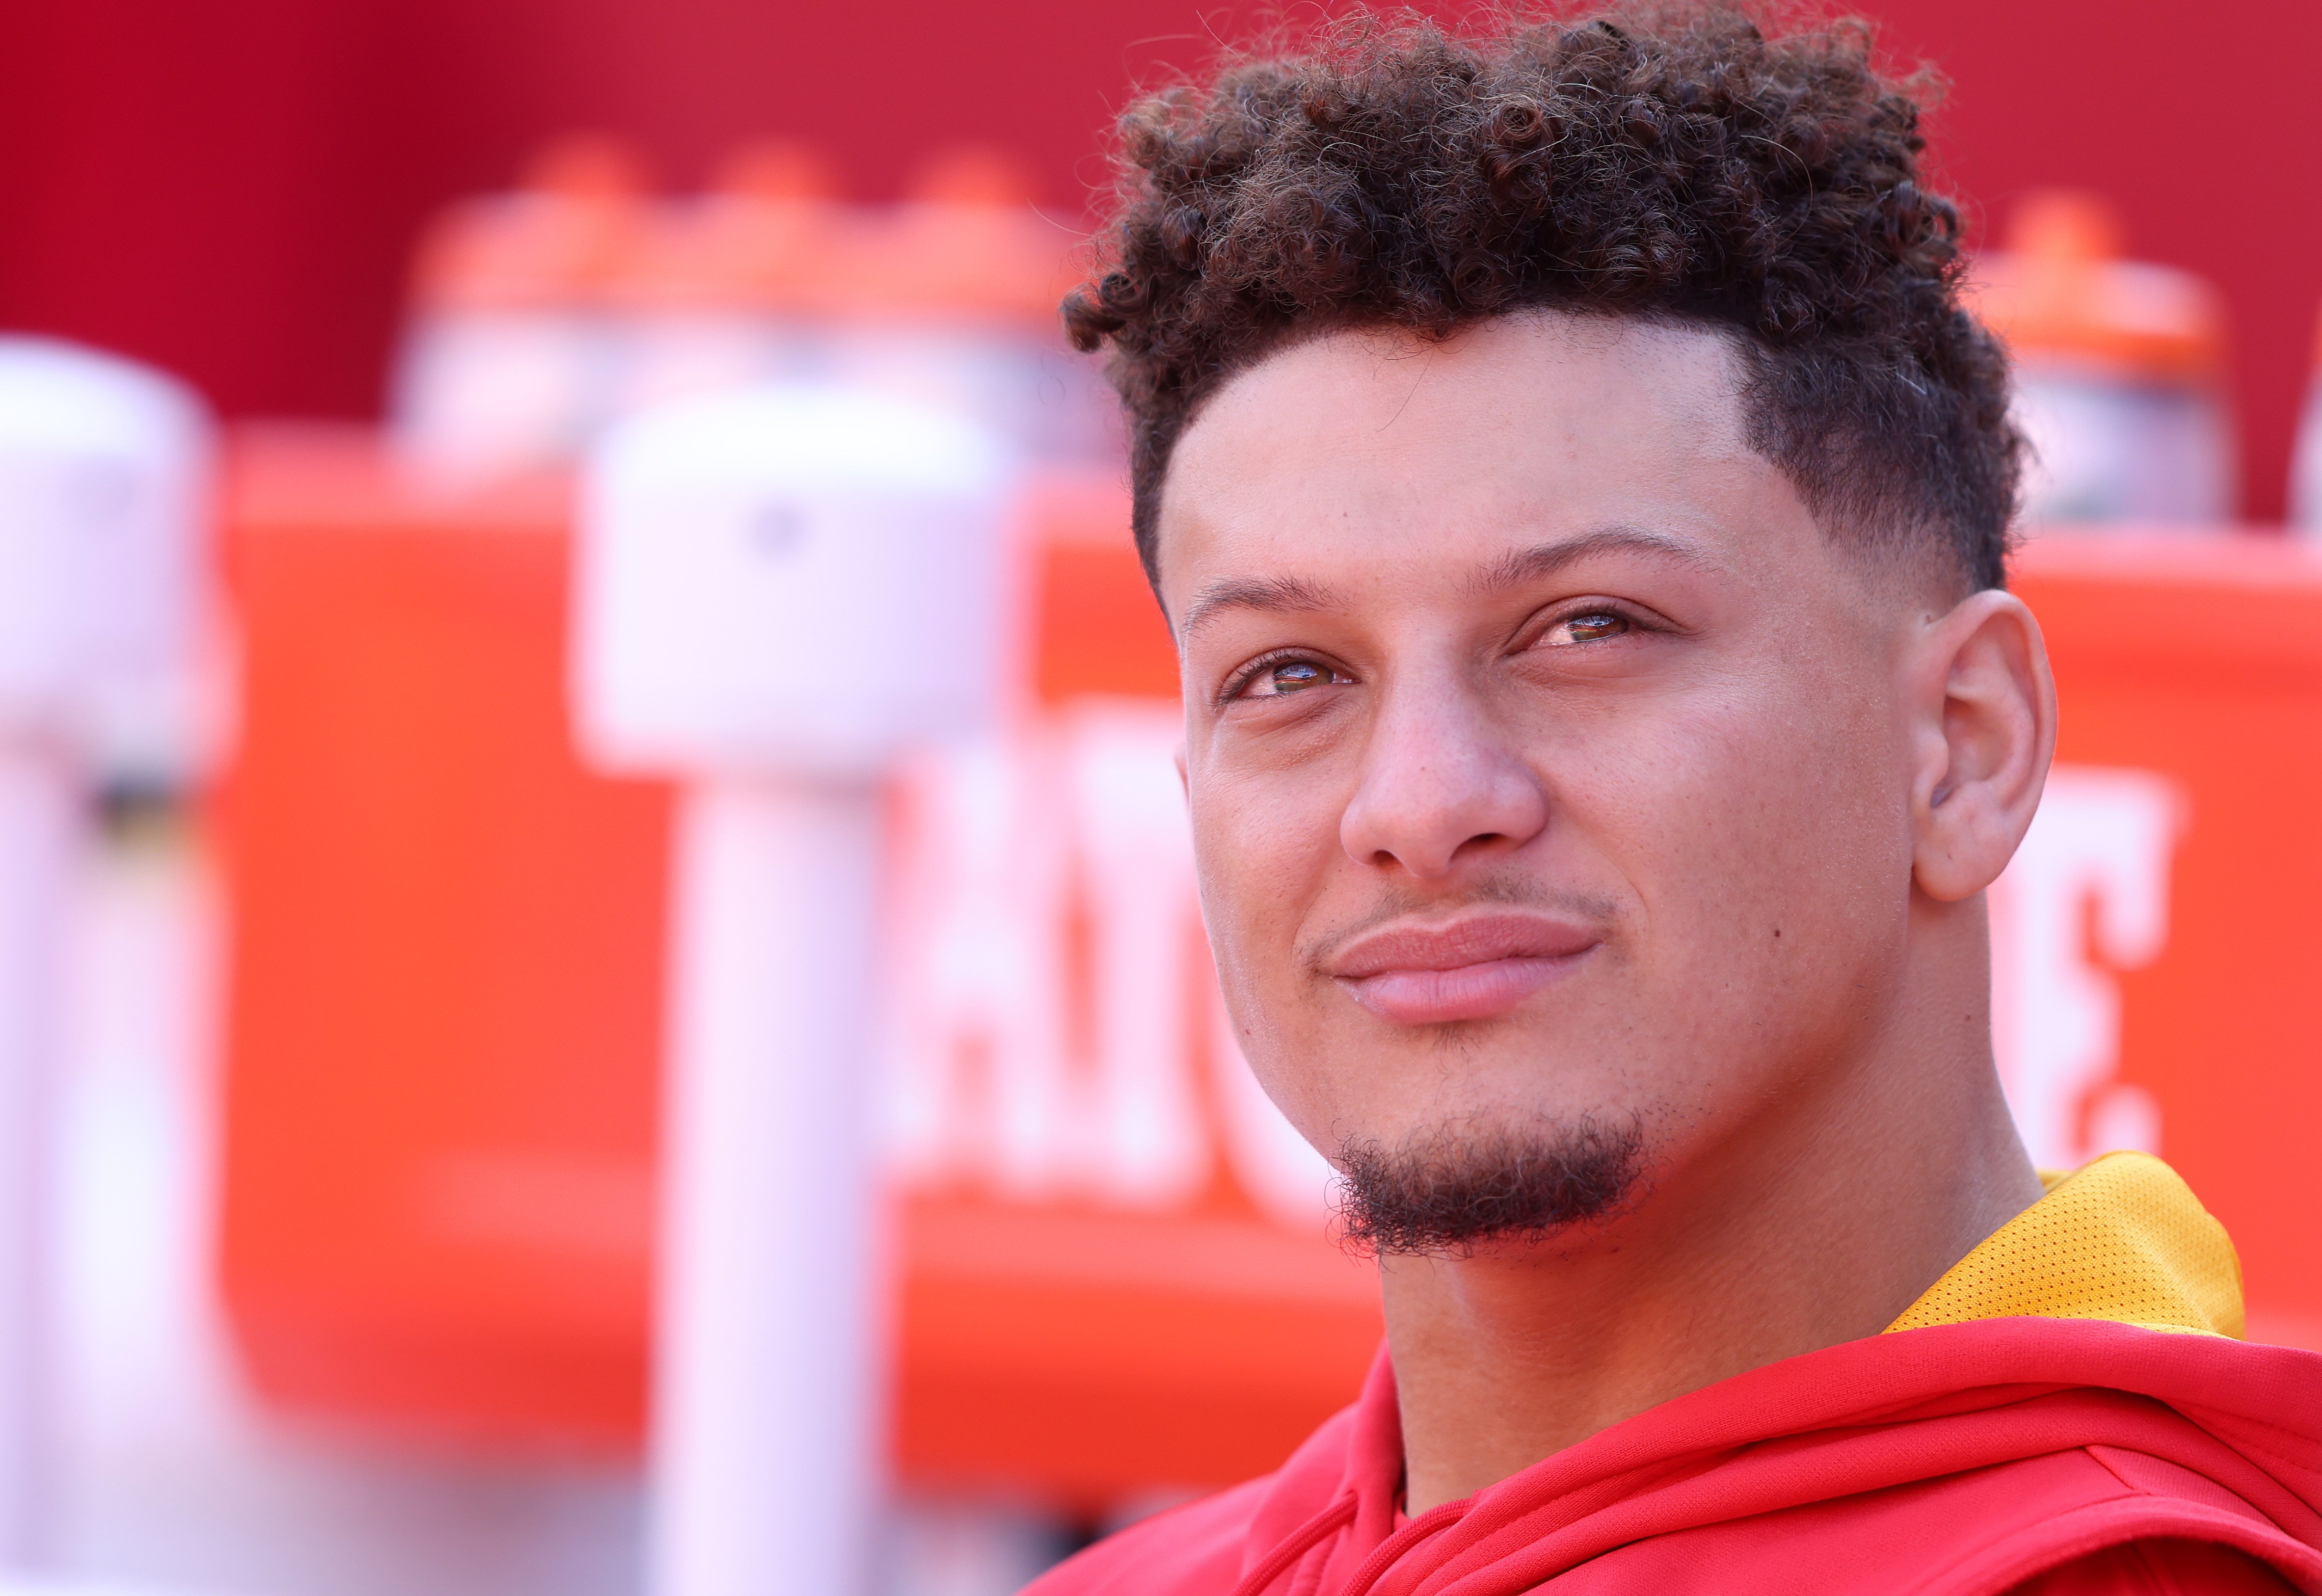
(510, 359)
(728, 283)
(2119, 371)
(542, 314)
(952, 295)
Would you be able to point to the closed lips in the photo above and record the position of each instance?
(1474, 967)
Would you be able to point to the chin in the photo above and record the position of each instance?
(1520, 1180)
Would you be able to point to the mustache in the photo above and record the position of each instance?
(1316, 956)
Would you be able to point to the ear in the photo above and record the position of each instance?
(1985, 715)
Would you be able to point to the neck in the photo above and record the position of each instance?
(1818, 1222)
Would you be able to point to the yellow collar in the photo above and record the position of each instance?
(2120, 1238)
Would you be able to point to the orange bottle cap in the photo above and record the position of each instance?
(967, 243)
(562, 238)
(765, 238)
(2061, 289)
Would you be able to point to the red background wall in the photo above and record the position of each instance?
(230, 187)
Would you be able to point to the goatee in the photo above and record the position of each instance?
(1452, 1190)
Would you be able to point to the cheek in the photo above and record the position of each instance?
(1265, 849)
(1260, 846)
(1768, 843)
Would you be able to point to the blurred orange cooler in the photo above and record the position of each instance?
(444, 1007)
(1115, 1275)
(2153, 947)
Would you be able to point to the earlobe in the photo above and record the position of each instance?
(1985, 704)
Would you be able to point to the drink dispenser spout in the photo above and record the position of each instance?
(780, 593)
(103, 468)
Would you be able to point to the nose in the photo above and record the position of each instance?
(1443, 786)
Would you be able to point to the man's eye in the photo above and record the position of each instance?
(1594, 626)
(1290, 675)
(1284, 676)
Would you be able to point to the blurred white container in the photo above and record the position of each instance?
(951, 297)
(778, 593)
(103, 478)
(2306, 461)
(729, 285)
(2119, 373)
(511, 358)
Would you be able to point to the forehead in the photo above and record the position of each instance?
(1380, 444)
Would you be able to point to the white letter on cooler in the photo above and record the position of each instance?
(2085, 897)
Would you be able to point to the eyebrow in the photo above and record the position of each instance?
(1275, 594)
(1545, 560)
(1279, 595)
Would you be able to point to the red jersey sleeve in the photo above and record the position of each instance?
(2160, 1568)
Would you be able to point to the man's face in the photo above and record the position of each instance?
(1544, 757)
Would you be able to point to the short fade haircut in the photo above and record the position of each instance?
(1672, 163)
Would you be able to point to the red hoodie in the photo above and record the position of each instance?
(2056, 1455)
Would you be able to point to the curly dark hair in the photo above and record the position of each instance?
(1671, 162)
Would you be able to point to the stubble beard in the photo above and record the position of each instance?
(1452, 1189)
